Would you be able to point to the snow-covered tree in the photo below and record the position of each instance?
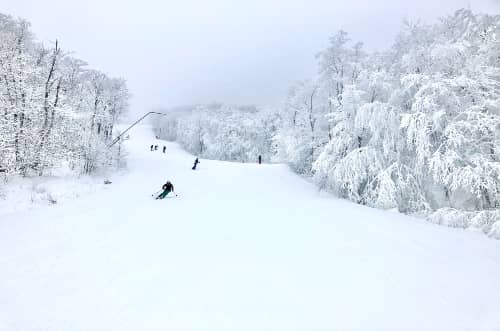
(414, 128)
(53, 110)
(217, 131)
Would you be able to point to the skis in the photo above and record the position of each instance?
(175, 195)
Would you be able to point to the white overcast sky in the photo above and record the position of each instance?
(195, 51)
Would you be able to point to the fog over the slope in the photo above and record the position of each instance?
(182, 52)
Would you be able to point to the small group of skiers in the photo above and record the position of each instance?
(155, 148)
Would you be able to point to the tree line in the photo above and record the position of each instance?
(54, 110)
(414, 128)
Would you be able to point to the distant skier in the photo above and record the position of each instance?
(260, 159)
(152, 148)
(195, 164)
(156, 147)
(167, 188)
(164, 149)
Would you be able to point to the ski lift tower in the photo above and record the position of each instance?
(117, 139)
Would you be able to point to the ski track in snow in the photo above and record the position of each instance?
(243, 247)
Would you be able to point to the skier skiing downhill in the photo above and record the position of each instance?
(195, 164)
(167, 188)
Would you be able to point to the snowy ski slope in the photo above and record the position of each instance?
(243, 247)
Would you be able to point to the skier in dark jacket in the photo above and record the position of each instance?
(152, 148)
(164, 149)
(167, 188)
(195, 164)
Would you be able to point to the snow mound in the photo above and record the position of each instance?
(26, 193)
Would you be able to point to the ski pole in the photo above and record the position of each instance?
(156, 192)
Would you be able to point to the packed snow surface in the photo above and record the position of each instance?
(243, 247)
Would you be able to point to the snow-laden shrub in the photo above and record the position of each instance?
(334, 151)
(396, 187)
(495, 230)
(40, 194)
(485, 221)
(451, 217)
(351, 176)
(297, 154)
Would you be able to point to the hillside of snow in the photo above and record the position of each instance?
(242, 247)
